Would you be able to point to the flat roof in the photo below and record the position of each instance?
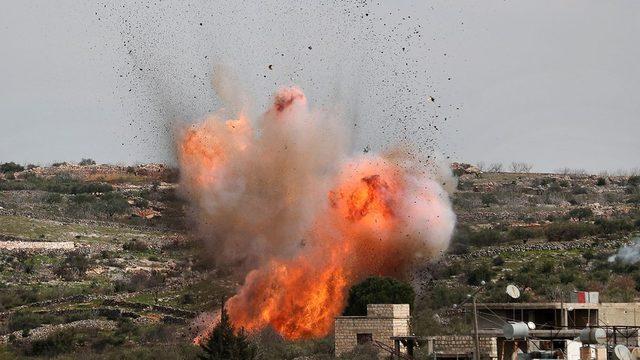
(538, 306)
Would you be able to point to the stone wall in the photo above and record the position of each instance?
(388, 310)
(462, 344)
(382, 321)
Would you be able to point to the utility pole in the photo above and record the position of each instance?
(476, 339)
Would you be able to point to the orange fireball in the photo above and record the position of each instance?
(283, 199)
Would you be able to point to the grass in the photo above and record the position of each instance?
(204, 294)
(30, 228)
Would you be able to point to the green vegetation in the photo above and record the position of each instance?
(64, 184)
(504, 224)
(377, 290)
(10, 167)
(73, 267)
(225, 343)
(86, 162)
(564, 231)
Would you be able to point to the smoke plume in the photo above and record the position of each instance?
(281, 197)
(628, 254)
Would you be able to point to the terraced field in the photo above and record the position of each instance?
(97, 262)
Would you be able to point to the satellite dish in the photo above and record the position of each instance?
(622, 352)
(531, 325)
(513, 291)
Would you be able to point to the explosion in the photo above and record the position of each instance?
(281, 198)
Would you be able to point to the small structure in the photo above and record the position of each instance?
(383, 324)
(458, 347)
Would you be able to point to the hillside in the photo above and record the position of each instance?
(99, 257)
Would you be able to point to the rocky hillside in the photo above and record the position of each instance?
(98, 258)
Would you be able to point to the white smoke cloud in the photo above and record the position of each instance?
(628, 254)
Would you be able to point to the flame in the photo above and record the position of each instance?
(308, 221)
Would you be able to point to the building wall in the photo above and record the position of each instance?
(462, 344)
(382, 321)
(619, 314)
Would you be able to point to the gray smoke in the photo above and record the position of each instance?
(628, 254)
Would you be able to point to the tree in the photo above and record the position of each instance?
(10, 167)
(225, 343)
(378, 290)
(521, 167)
(495, 167)
(85, 162)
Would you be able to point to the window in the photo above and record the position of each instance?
(364, 338)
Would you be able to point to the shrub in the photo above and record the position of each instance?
(361, 352)
(135, 245)
(634, 199)
(140, 280)
(10, 167)
(485, 237)
(86, 162)
(112, 203)
(83, 198)
(52, 198)
(633, 180)
(482, 273)
(488, 199)
(377, 290)
(601, 181)
(58, 343)
(58, 164)
(67, 185)
(579, 190)
(75, 265)
(497, 261)
(141, 203)
(567, 276)
(588, 255)
(565, 231)
(186, 298)
(580, 213)
(620, 288)
(524, 233)
(612, 226)
(24, 321)
(444, 296)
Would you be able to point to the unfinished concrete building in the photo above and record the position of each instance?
(557, 324)
(382, 322)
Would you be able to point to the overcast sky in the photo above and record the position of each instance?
(552, 83)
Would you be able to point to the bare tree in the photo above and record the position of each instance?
(495, 167)
(521, 167)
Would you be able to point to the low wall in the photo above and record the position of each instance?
(462, 344)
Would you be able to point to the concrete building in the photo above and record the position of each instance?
(557, 325)
(382, 322)
(553, 315)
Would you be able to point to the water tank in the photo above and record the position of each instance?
(515, 330)
(593, 336)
